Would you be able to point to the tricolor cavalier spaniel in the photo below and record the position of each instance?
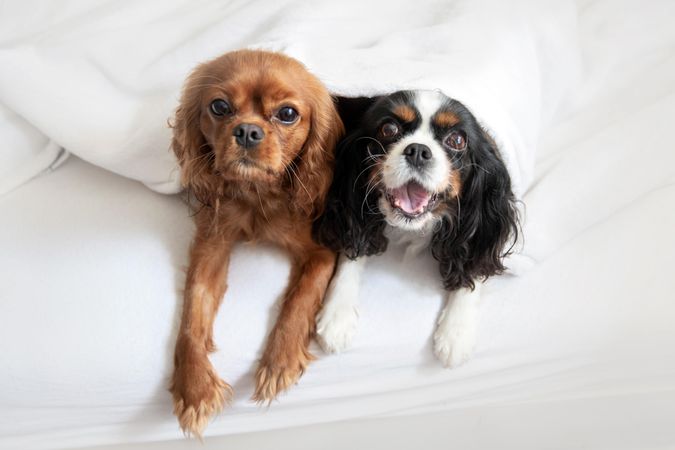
(254, 135)
(418, 168)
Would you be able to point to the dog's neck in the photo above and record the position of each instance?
(413, 241)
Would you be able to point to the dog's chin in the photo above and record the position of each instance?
(408, 207)
(246, 169)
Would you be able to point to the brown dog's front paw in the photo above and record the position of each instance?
(279, 370)
(198, 394)
(271, 381)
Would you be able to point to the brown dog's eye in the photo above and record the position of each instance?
(220, 107)
(456, 140)
(287, 114)
(389, 130)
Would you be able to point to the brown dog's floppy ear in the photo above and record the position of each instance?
(314, 165)
(194, 154)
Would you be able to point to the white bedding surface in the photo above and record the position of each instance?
(91, 271)
(89, 312)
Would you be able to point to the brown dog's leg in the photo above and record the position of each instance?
(198, 392)
(286, 355)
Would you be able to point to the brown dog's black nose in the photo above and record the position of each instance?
(417, 155)
(248, 135)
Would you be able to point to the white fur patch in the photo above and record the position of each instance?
(396, 171)
(338, 319)
(455, 336)
(414, 242)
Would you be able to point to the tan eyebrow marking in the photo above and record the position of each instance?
(445, 119)
(405, 113)
(455, 183)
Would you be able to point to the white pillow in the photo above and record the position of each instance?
(102, 81)
(25, 151)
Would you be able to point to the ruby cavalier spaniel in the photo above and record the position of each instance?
(254, 135)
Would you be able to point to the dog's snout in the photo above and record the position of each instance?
(417, 155)
(248, 135)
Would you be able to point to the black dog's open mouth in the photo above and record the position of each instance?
(411, 199)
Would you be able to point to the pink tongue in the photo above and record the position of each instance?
(411, 198)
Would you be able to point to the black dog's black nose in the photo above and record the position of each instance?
(248, 135)
(417, 155)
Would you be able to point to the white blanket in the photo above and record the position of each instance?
(102, 80)
(91, 273)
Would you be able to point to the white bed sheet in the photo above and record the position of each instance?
(91, 268)
(90, 274)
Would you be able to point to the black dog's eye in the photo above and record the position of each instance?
(287, 114)
(220, 107)
(389, 130)
(456, 140)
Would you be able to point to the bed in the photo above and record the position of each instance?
(576, 346)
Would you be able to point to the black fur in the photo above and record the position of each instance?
(471, 243)
(351, 110)
(351, 223)
(474, 233)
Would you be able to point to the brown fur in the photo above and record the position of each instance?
(405, 113)
(445, 119)
(273, 198)
(455, 183)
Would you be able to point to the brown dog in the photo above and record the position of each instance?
(254, 135)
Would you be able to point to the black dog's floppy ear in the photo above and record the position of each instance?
(352, 110)
(472, 245)
(347, 224)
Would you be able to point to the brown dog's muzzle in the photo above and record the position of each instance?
(248, 135)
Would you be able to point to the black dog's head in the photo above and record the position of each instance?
(419, 161)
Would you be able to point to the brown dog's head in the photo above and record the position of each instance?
(256, 117)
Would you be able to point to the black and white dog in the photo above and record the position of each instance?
(416, 168)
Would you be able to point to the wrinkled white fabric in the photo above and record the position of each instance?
(91, 276)
(102, 80)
